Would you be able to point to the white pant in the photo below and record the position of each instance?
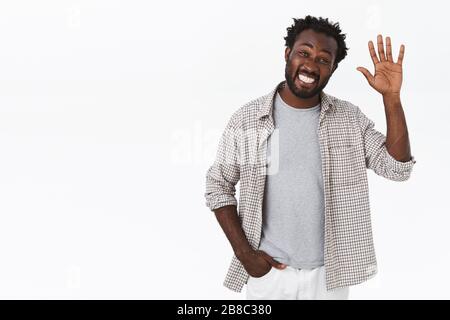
(293, 284)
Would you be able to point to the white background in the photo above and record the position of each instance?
(110, 114)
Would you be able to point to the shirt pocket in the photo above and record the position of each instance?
(343, 164)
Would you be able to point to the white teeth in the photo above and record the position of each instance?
(305, 78)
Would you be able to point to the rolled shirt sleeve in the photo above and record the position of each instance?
(223, 175)
(377, 156)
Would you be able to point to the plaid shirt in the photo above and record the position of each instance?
(349, 145)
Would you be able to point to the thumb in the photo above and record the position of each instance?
(366, 74)
(272, 261)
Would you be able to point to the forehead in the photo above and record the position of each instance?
(318, 40)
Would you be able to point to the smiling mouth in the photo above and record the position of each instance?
(306, 80)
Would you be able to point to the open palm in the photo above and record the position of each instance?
(388, 74)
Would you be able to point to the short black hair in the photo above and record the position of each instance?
(319, 25)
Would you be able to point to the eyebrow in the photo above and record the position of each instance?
(311, 46)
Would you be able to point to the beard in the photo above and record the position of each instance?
(301, 92)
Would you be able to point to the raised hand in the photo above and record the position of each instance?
(388, 74)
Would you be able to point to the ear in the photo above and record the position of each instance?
(286, 54)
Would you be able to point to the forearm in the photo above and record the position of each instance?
(397, 139)
(229, 221)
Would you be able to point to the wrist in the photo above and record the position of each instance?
(392, 97)
(242, 253)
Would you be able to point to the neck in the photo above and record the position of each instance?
(296, 102)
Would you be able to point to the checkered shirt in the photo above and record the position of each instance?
(349, 145)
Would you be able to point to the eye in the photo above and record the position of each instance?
(324, 61)
(303, 53)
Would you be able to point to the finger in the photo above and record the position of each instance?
(401, 54)
(373, 55)
(389, 49)
(272, 261)
(380, 46)
(366, 74)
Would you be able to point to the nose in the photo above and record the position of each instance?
(309, 66)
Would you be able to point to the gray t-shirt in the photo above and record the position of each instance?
(293, 206)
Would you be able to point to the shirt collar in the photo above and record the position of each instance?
(267, 103)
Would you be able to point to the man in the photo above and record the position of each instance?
(303, 228)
